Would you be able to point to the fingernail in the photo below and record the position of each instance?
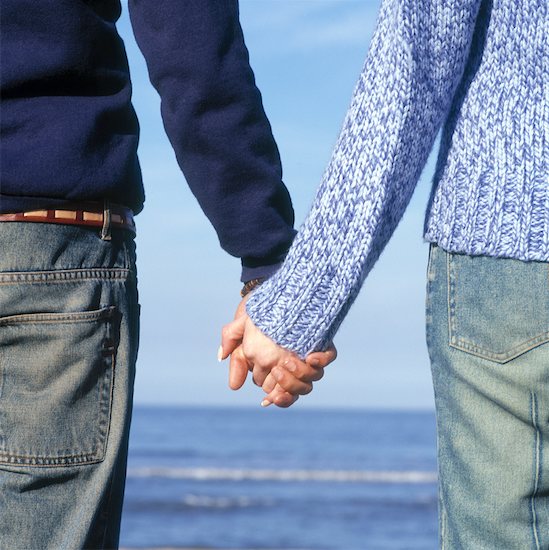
(220, 354)
(265, 403)
(277, 374)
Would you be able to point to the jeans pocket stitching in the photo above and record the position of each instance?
(63, 275)
(73, 317)
(105, 399)
(503, 357)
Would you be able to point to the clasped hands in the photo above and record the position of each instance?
(282, 375)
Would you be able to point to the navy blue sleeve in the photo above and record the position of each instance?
(214, 118)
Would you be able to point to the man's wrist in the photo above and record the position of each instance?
(251, 285)
(260, 271)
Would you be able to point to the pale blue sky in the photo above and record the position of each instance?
(306, 55)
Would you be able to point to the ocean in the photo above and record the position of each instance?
(300, 478)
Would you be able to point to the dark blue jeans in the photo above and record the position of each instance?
(68, 345)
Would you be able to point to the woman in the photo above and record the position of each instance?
(480, 69)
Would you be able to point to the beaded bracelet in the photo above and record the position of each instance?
(251, 285)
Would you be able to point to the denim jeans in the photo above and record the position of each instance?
(488, 334)
(68, 345)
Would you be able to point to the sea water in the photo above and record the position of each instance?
(281, 479)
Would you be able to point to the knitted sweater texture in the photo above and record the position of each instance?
(480, 68)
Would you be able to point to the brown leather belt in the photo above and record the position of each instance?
(92, 214)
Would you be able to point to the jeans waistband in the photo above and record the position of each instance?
(95, 214)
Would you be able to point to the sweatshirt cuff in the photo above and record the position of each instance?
(264, 271)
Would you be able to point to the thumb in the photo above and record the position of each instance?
(231, 337)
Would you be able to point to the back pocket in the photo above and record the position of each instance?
(56, 377)
(498, 307)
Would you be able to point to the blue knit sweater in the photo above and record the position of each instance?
(481, 68)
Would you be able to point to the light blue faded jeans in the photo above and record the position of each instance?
(68, 344)
(488, 334)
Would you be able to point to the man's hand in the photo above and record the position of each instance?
(239, 365)
(281, 374)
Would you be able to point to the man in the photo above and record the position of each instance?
(70, 185)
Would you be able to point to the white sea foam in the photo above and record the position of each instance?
(203, 501)
(339, 476)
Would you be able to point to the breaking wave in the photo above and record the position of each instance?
(332, 476)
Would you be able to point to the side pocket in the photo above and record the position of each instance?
(56, 378)
(498, 308)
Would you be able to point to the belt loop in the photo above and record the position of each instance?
(106, 229)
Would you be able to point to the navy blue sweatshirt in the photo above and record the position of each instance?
(69, 132)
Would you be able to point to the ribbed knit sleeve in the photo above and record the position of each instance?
(415, 62)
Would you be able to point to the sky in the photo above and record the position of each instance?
(306, 56)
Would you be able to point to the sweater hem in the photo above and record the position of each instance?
(483, 249)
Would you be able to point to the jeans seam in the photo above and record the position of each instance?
(65, 460)
(63, 275)
(443, 520)
(103, 431)
(537, 468)
(449, 295)
(109, 498)
(428, 298)
(127, 263)
(108, 403)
